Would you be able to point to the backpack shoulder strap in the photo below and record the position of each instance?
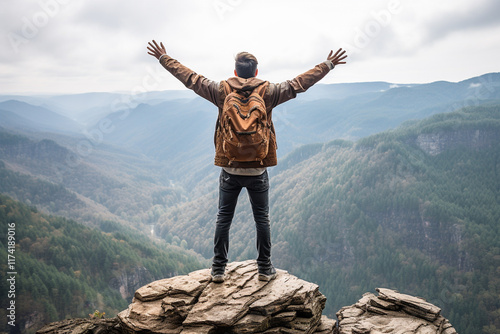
(262, 88)
(225, 89)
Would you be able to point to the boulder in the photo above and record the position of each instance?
(241, 304)
(192, 304)
(392, 312)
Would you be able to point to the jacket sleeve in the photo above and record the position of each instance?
(202, 86)
(282, 92)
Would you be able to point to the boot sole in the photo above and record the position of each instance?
(267, 278)
(218, 278)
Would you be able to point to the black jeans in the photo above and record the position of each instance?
(258, 192)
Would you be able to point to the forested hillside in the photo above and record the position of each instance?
(64, 269)
(415, 209)
(107, 183)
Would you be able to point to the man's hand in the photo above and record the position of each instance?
(156, 50)
(337, 57)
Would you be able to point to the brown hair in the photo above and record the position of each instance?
(245, 65)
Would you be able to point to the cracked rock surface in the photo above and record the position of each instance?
(191, 304)
(392, 312)
(241, 304)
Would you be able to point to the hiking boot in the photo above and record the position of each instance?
(268, 273)
(217, 274)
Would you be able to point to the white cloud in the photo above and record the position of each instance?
(91, 45)
(464, 17)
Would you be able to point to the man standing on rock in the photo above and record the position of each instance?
(236, 174)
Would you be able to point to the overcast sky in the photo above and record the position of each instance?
(73, 46)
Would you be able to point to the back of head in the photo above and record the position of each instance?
(245, 65)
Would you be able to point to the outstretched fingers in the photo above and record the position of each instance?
(337, 57)
(155, 49)
(152, 49)
(156, 45)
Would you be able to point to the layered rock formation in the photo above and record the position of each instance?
(191, 304)
(392, 312)
(242, 304)
(437, 142)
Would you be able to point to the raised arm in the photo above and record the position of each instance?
(287, 90)
(202, 86)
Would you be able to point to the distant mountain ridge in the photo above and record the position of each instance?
(347, 111)
(83, 189)
(180, 132)
(88, 108)
(35, 118)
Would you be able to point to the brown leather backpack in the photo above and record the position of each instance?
(244, 125)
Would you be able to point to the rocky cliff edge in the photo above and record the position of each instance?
(191, 304)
